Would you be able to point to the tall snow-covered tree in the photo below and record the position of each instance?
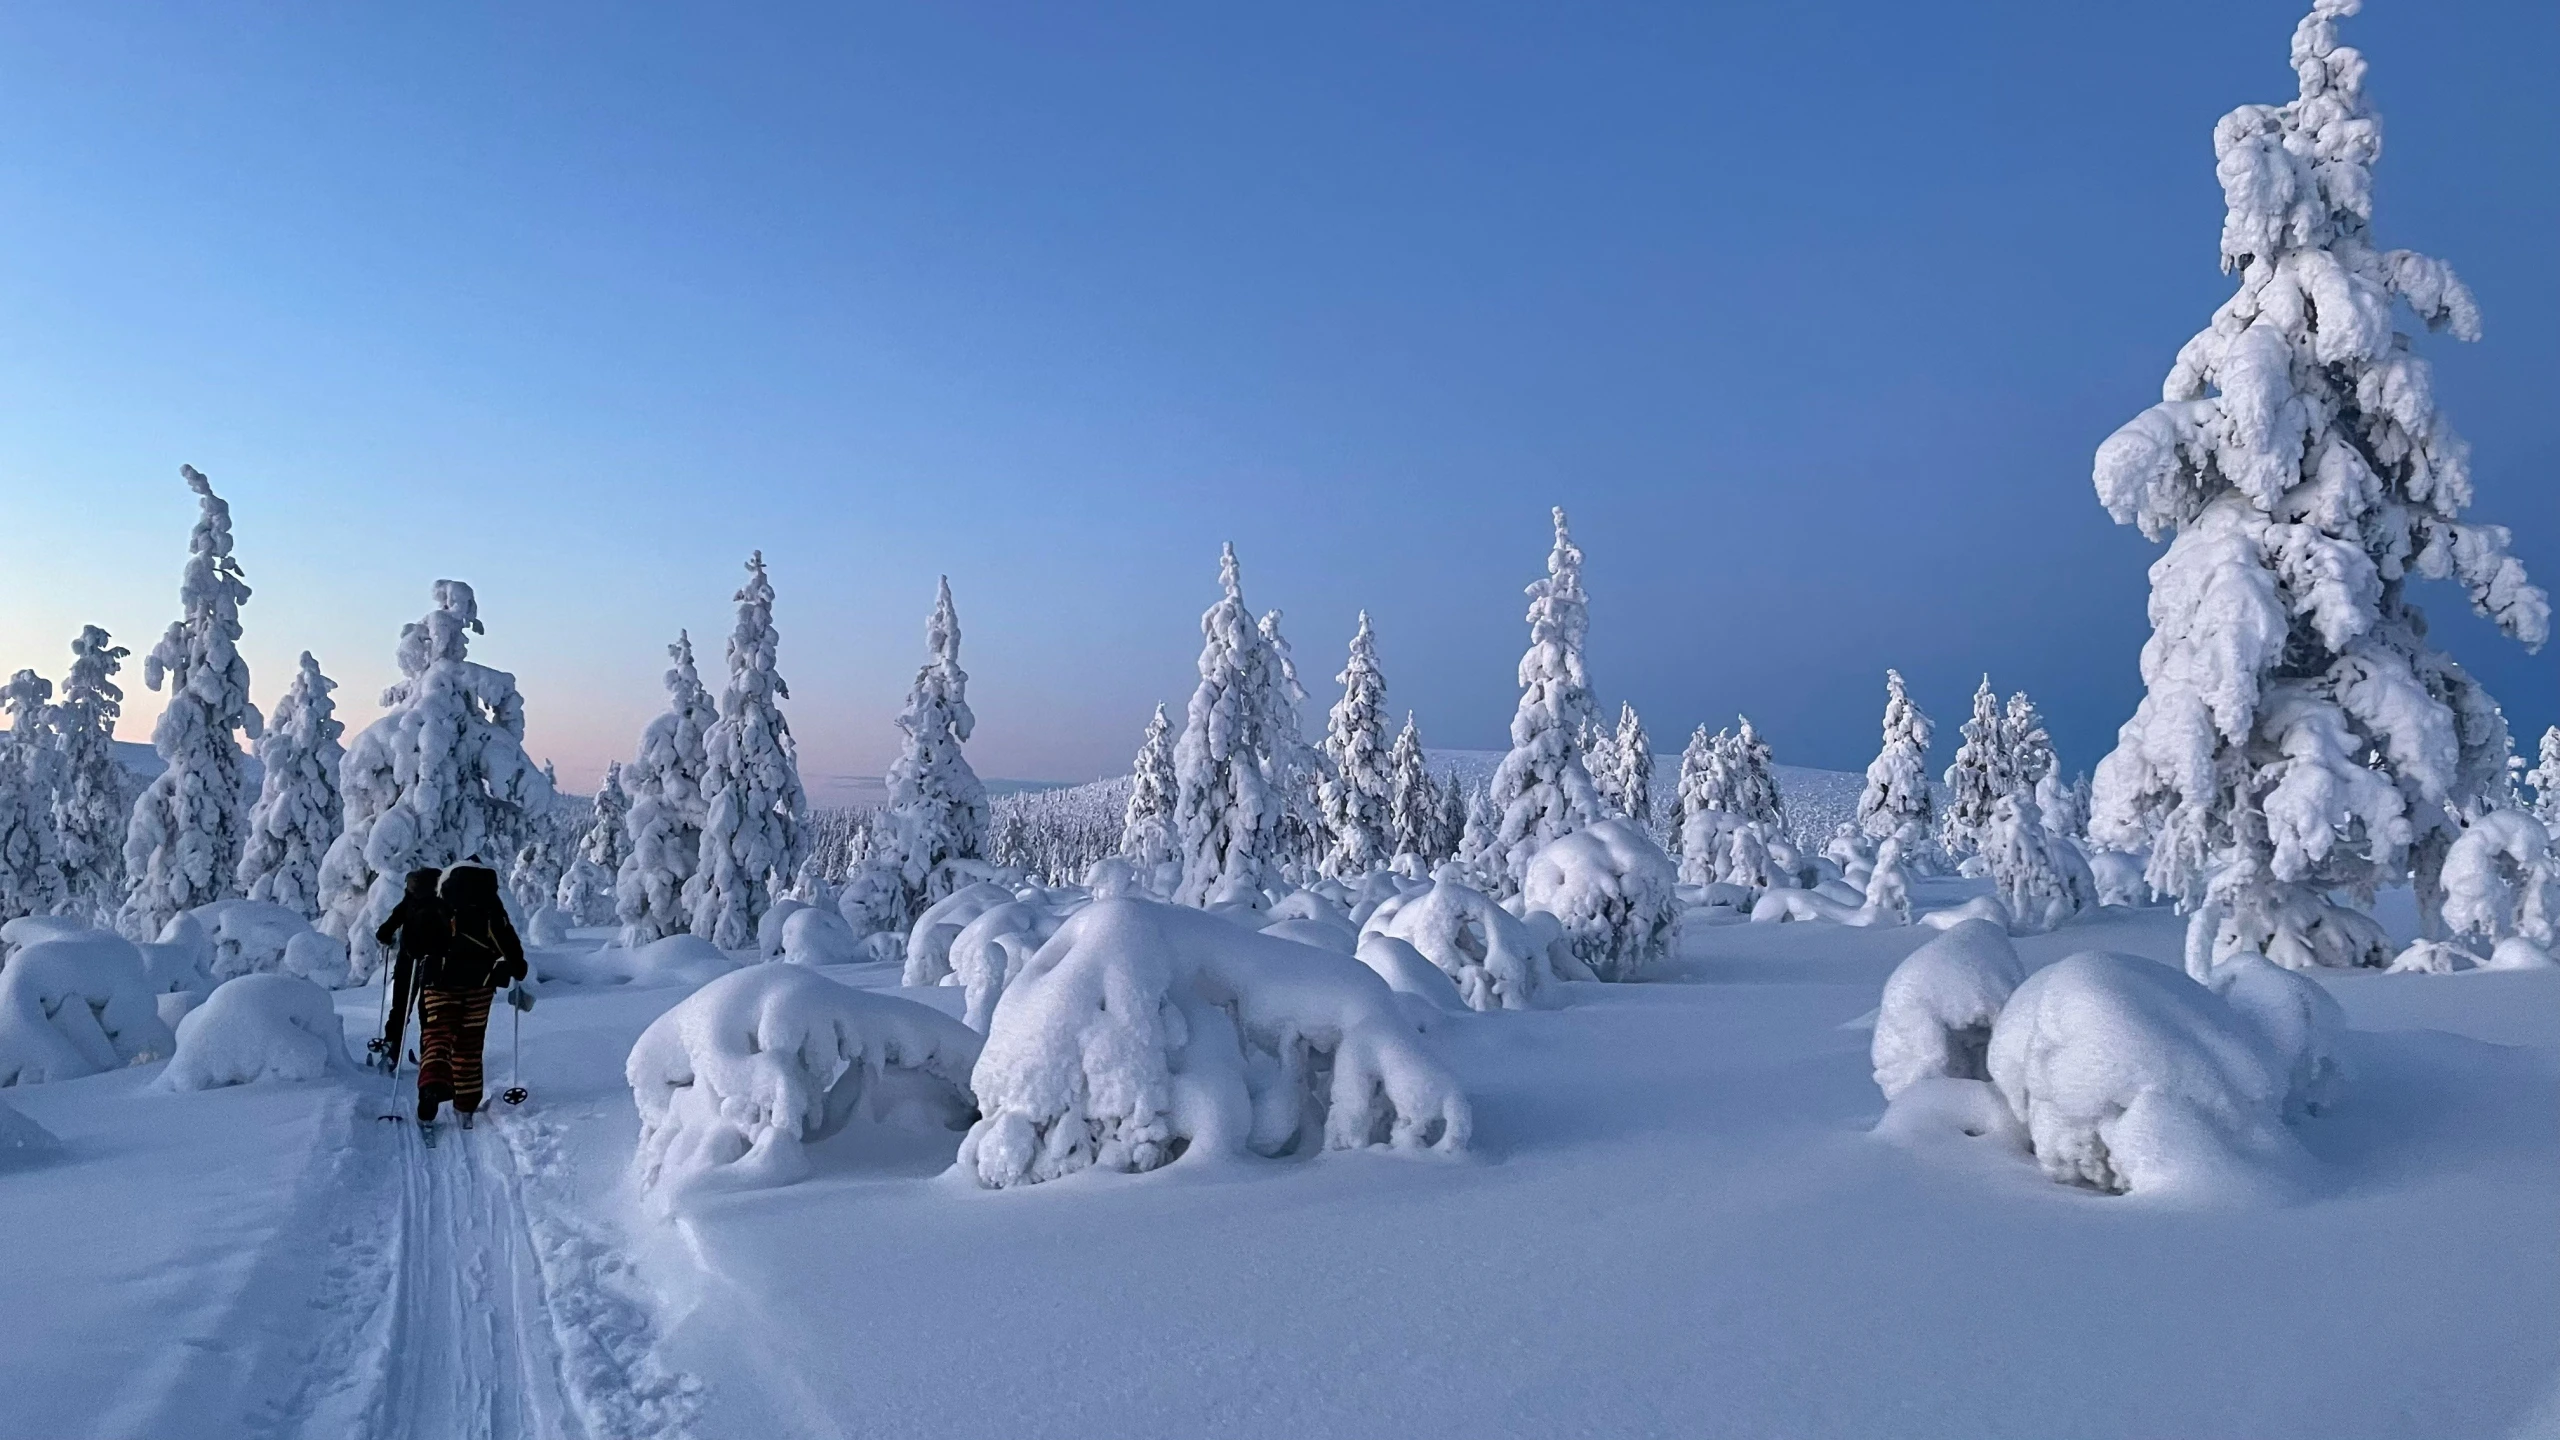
(1540, 791)
(543, 849)
(1754, 779)
(1298, 770)
(585, 895)
(31, 878)
(1228, 812)
(937, 811)
(1980, 776)
(1700, 778)
(2299, 734)
(2024, 746)
(95, 803)
(2544, 777)
(1146, 824)
(1897, 794)
(757, 815)
(182, 845)
(1599, 749)
(440, 779)
(299, 810)
(1631, 767)
(667, 809)
(1413, 802)
(1449, 831)
(1358, 789)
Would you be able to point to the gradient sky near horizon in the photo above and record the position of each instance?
(1811, 314)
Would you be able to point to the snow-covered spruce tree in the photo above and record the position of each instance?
(937, 809)
(1979, 778)
(1146, 824)
(1449, 832)
(1754, 793)
(2544, 777)
(1897, 798)
(585, 895)
(440, 779)
(2299, 735)
(1631, 750)
(1298, 770)
(1540, 792)
(2064, 804)
(665, 824)
(1359, 789)
(31, 878)
(756, 824)
(1599, 749)
(182, 844)
(1227, 810)
(299, 809)
(95, 801)
(1700, 764)
(1413, 803)
(550, 836)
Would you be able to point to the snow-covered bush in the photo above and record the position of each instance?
(937, 812)
(1358, 791)
(95, 800)
(928, 949)
(440, 779)
(2497, 879)
(665, 823)
(2131, 1077)
(1484, 949)
(1939, 1006)
(2299, 734)
(2517, 953)
(254, 1028)
(2119, 878)
(814, 936)
(1897, 800)
(2301, 1021)
(755, 812)
(993, 948)
(299, 809)
(1540, 792)
(255, 937)
(2042, 879)
(1615, 892)
(75, 1007)
(1144, 1033)
(182, 845)
(1408, 973)
(736, 1081)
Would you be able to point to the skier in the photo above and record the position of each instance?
(423, 927)
(481, 955)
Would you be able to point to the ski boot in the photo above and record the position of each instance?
(466, 1118)
(427, 1133)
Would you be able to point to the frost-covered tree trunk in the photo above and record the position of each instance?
(1541, 792)
(937, 808)
(1228, 812)
(1298, 770)
(440, 779)
(1897, 799)
(2299, 735)
(1359, 791)
(299, 810)
(31, 875)
(1413, 802)
(585, 895)
(756, 827)
(1979, 778)
(95, 802)
(182, 846)
(1631, 750)
(665, 825)
(1146, 824)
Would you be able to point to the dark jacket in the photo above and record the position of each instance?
(482, 952)
(424, 930)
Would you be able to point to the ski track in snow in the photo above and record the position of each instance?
(463, 1306)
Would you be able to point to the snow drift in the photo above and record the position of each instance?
(1939, 1006)
(254, 1028)
(75, 1007)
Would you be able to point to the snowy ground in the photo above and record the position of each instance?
(1674, 1224)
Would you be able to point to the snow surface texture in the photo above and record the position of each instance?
(1939, 1006)
(256, 1028)
(1613, 890)
(1482, 948)
(2298, 732)
(1144, 1033)
(74, 1007)
(734, 1083)
(2130, 1077)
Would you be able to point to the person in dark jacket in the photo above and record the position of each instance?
(423, 927)
(483, 955)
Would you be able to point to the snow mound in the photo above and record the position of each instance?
(2432, 957)
(1616, 893)
(1496, 962)
(815, 936)
(734, 1083)
(2130, 1077)
(2119, 878)
(75, 1007)
(929, 939)
(254, 1028)
(2299, 1018)
(1980, 907)
(1144, 1033)
(681, 959)
(1408, 973)
(28, 930)
(992, 949)
(1338, 936)
(256, 937)
(1939, 1004)
(2517, 953)
(1940, 1107)
(22, 1140)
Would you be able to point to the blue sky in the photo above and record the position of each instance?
(1811, 314)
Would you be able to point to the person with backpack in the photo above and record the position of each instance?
(420, 922)
(481, 956)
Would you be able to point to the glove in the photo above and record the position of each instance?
(520, 997)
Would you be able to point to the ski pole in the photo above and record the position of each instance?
(516, 1094)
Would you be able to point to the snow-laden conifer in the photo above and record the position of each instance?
(182, 844)
(1413, 803)
(299, 810)
(585, 895)
(543, 849)
(95, 801)
(1897, 799)
(665, 824)
(2299, 735)
(1298, 769)
(2025, 748)
(1146, 823)
(2544, 777)
(1631, 768)
(441, 779)
(1541, 792)
(31, 877)
(1359, 788)
(1979, 778)
(755, 828)
(1450, 829)
(1599, 747)
(1753, 779)
(1228, 812)
(1700, 775)
(937, 809)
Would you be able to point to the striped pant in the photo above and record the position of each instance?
(451, 1026)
